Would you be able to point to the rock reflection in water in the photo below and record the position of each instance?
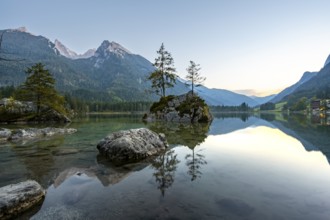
(104, 171)
(190, 135)
(37, 158)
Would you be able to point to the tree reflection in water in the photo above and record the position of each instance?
(194, 161)
(165, 166)
(189, 135)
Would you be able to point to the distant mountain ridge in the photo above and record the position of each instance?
(109, 73)
(318, 86)
(262, 100)
(311, 84)
(289, 90)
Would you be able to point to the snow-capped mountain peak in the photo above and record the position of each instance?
(71, 54)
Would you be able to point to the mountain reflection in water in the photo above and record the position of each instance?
(245, 167)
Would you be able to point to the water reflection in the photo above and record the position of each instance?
(165, 166)
(194, 162)
(189, 135)
(35, 158)
(243, 116)
(313, 136)
(261, 165)
(268, 116)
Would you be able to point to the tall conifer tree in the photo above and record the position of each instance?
(164, 75)
(194, 78)
(39, 88)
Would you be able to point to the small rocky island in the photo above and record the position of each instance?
(14, 111)
(184, 108)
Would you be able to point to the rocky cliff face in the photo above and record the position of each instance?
(184, 108)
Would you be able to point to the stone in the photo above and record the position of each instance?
(53, 116)
(132, 145)
(32, 133)
(186, 108)
(23, 112)
(18, 198)
(4, 134)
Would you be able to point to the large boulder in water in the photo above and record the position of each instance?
(17, 198)
(132, 145)
(184, 108)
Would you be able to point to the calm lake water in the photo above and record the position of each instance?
(242, 167)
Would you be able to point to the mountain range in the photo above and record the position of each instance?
(311, 84)
(112, 73)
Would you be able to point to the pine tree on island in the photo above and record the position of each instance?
(164, 76)
(39, 88)
(193, 77)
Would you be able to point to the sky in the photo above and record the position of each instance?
(254, 47)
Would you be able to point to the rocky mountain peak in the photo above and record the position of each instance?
(71, 54)
(108, 47)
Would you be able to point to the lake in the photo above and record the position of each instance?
(238, 167)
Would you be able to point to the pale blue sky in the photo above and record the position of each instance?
(261, 45)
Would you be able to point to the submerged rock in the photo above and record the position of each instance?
(32, 133)
(59, 212)
(4, 134)
(17, 198)
(132, 145)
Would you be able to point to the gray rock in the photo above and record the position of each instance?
(17, 198)
(4, 133)
(19, 109)
(32, 133)
(132, 145)
(53, 116)
(193, 109)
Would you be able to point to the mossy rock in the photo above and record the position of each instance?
(161, 104)
(184, 108)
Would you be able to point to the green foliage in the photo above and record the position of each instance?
(190, 104)
(118, 79)
(7, 91)
(193, 76)
(82, 106)
(39, 89)
(163, 77)
(241, 108)
(300, 105)
(267, 106)
(161, 104)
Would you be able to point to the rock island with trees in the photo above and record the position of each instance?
(184, 108)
